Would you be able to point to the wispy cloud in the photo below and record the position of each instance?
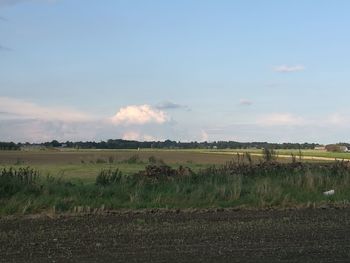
(204, 136)
(337, 119)
(289, 68)
(2, 48)
(280, 119)
(2, 18)
(167, 105)
(139, 115)
(21, 109)
(13, 2)
(132, 135)
(245, 102)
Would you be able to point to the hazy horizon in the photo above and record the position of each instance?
(274, 71)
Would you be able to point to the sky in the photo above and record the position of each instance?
(188, 70)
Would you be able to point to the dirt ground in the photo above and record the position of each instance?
(308, 235)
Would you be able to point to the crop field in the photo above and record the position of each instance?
(302, 235)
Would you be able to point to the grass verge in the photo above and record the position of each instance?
(240, 183)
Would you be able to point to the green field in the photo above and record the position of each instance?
(85, 164)
(288, 153)
(125, 179)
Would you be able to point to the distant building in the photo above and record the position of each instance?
(32, 147)
(320, 148)
(336, 148)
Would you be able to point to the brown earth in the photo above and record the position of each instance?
(307, 235)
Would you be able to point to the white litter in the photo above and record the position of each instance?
(330, 192)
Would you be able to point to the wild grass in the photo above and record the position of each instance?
(239, 183)
(14, 180)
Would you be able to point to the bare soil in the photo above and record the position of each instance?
(306, 235)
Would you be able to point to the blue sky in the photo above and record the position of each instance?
(274, 71)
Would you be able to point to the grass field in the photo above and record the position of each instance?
(85, 164)
(305, 154)
(71, 180)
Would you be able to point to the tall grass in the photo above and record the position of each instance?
(241, 182)
(16, 180)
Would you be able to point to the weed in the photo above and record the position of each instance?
(100, 160)
(107, 177)
(134, 159)
(269, 155)
(16, 180)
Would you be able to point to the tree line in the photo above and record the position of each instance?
(167, 144)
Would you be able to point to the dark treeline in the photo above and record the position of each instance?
(9, 146)
(167, 144)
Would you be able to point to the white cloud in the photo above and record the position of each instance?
(136, 136)
(204, 136)
(31, 130)
(22, 120)
(288, 69)
(338, 119)
(20, 109)
(131, 135)
(245, 102)
(139, 115)
(280, 119)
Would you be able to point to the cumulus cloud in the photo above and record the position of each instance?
(245, 102)
(139, 115)
(280, 119)
(20, 109)
(288, 68)
(22, 120)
